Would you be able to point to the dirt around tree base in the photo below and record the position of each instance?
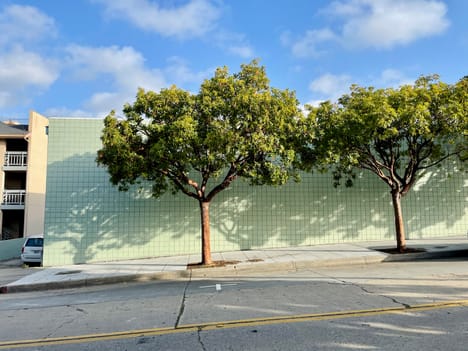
(395, 251)
(212, 265)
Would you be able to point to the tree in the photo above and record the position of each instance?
(397, 134)
(198, 144)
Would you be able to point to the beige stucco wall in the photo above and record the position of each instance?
(2, 177)
(36, 174)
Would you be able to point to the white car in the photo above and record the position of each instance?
(31, 252)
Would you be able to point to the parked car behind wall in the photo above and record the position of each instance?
(31, 251)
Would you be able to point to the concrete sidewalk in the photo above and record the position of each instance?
(237, 263)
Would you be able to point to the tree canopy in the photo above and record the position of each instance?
(397, 134)
(198, 144)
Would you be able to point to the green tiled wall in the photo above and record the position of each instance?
(10, 248)
(87, 219)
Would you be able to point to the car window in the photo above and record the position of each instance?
(35, 242)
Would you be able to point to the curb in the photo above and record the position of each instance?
(287, 266)
(104, 280)
(234, 270)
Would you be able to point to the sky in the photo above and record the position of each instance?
(84, 58)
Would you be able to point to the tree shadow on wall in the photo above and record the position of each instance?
(313, 212)
(438, 202)
(95, 221)
(307, 213)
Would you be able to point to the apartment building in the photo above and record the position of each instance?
(23, 149)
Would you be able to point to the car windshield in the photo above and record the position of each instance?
(36, 242)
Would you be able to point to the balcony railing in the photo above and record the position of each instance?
(13, 197)
(16, 159)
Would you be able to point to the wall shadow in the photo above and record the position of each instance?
(313, 212)
(438, 203)
(88, 218)
(307, 213)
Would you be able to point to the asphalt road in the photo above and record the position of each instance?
(13, 270)
(391, 306)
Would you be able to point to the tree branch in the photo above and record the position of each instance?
(440, 160)
(175, 178)
(228, 179)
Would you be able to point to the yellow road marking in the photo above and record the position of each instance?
(226, 325)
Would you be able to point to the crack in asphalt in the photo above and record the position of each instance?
(81, 310)
(200, 340)
(182, 304)
(367, 291)
(394, 300)
(69, 321)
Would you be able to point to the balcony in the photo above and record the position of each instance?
(13, 199)
(15, 161)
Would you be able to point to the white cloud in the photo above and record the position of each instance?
(20, 67)
(330, 87)
(21, 70)
(179, 72)
(193, 19)
(387, 23)
(380, 24)
(124, 64)
(123, 67)
(393, 78)
(66, 112)
(234, 43)
(125, 71)
(102, 103)
(24, 24)
(308, 45)
(244, 51)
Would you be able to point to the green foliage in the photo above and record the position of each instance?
(236, 126)
(394, 133)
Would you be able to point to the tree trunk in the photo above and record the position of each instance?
(205, 228)
(399, 225)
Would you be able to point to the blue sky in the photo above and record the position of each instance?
(87, 57)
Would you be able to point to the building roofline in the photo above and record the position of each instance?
(12, 131)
